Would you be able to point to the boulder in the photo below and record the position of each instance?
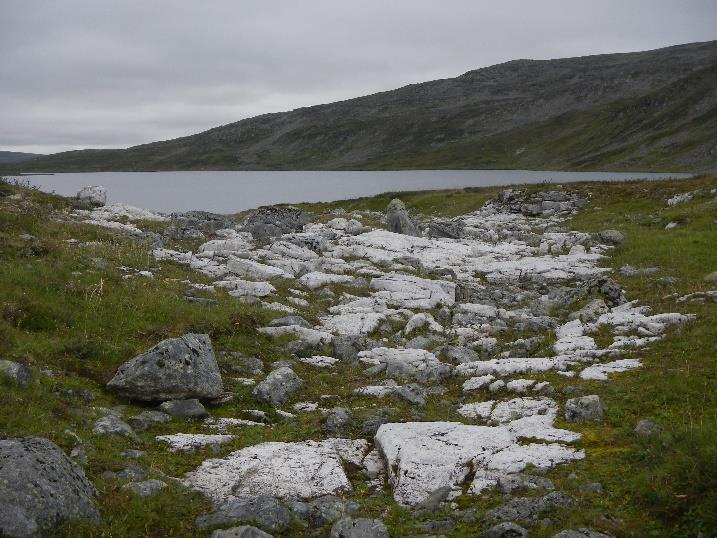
(94, 195)
(147, 419)
(290, 320)
(505, 530)
(712, 277)
(646, 427)
(17, 373)
(359, 528)
(40, 488)
(610, 237)
(322, 511)
(113, 425)
(273, 221)
(398, 220)
(177, 368)
(584, 408)
(263, 510)
(529, 509)
(338, 421)
(191, 408)
(146, 488)
(278, 386)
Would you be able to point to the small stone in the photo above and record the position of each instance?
(246, 366)
(147, 419)
(505, 530)
(359, 528)
(584, 408)
(245, 531)
(131, 472)
(113, 425)
(646, 428)
(191, 408)
(17, 373)
(146, 488)
(610, 237)
(338, 421)
(591, 487)
(278, 386)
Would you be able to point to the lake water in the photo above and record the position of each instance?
(230, 192)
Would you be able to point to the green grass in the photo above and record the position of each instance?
(60, 309)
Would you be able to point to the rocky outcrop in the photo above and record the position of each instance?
(40, 488)
(17, 373)
(273, 221)
(178, 368)
(94, 196)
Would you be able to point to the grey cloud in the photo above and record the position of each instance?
(100, 73)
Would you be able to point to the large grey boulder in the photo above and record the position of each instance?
(113, 425)
(278, 386)
(93, 195)
(40, 488)
(359, 528)
(398, 220)
(18, 373)
(191, 408)
(175, 369)
(584, 408)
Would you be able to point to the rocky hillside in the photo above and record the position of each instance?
(654, 110)
(529, 361)
(12, 157)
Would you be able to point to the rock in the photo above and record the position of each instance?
(520, 481)
(436, 525)
(301, 470)
(592, 487)
(417, 364)
(338, 421)
(413, 393)
(245, 531)
(40, 488)
(273, 221)
(178, 368)
(646, 427)
(610, 237)
(398, 221)
(461, 354)
(17, 373)
(131, 472)
(584, 408)
(347, 348)
(133, 454)
(712, 277)
(191, 408)
(359, 528)
(278, 386)
(146, 488)
(581, 533)
(113, 425)
(322, 511)
(506, 529)
(147, 419)
(371, 424)
(94, 195)
(433, 501)
(187, 442)
(290, 320)
(528, 509)
(246, 366)
(262, 510)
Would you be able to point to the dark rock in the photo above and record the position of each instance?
(371, 424)
(398, 220)
(191, 408)
(528, 509)
(584, 408)
(95, 196)
(40, 488)
(264, 511)
(147, 419)
(177, 368)
(246, 366)
(338, 421)
(278, 386)
(273, 221)
(323, 510)
(440, 525)
(461, 354)
(347, 348)
(131, 472)
(433, 501)
(510, 482)
(245, 531)
(646, 428)
(611, 291)
(17, 373)
(359, 528)
(413, 393)
(592, 487)
(452, 229)
(190, 224)
(506, 529)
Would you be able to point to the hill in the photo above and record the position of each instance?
(652, 110)
(10, 157)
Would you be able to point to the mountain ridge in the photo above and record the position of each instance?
(644, 110)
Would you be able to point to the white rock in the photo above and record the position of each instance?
(599, 372)
(315, 279)
(310, 336)
(475, 383)
(255, 270)
(416, 364)
(185, 442)
(319, 361)
(422, 320)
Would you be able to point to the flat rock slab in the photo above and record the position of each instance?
(175, 369)
(186, 442)
(40, 487)
(303, 470)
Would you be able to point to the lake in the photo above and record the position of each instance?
(232, 191)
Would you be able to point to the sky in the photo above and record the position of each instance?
(108, 73)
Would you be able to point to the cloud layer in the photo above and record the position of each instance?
(100, 73)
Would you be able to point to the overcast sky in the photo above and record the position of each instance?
(115, 73)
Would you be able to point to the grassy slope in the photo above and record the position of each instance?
(82, 325)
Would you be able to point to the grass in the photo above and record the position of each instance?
(68, 308)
